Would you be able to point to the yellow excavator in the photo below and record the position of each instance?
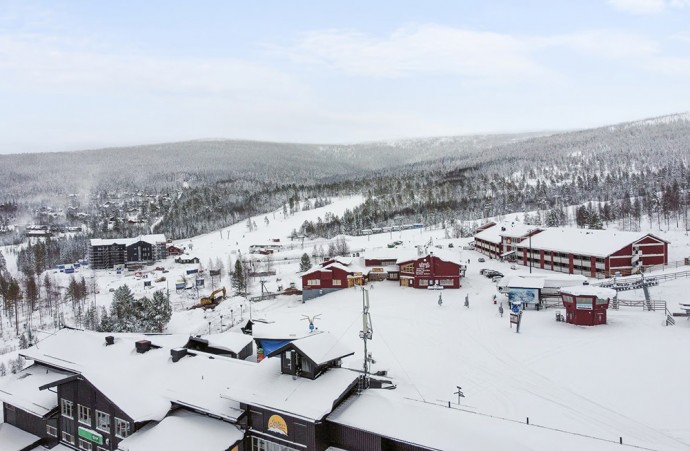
(214, 298)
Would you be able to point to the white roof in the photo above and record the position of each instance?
(520, 282)
(512, 229)
(14, 439)
(590, 290)
(316, 269)
(194, 381)
(443, 254)
(153, 239)
(387, 413)
(265, 386)
(21, 389)
(278, 331)
(321, 347)
(183, 430)
(230, 341)
(597, 243)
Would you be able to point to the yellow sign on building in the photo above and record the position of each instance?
(277, 424)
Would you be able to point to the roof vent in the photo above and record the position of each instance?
(109, 340)
(143, 346)
(177, 354)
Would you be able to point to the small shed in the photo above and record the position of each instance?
(586, 305)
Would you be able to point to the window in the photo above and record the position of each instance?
(259, 444)
(84, 414)
(67, 409)
(83, 444)
(312, 282)
(69, 438)
(102, 421)
(423, 282)
(446, 282)
(51, 430)
(121, 428)
(337, 282)
(407, 268)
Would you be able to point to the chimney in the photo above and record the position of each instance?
(143, 346)
(109, 340)
(177, 354)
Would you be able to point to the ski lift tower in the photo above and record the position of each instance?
(366, 333)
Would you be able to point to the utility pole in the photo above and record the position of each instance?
(366, 333)
(530, 251)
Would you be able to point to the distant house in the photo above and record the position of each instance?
(432, 268)
(593, 253)
(144, 249)
(332, 276)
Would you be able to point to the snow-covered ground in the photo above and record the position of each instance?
(627, 378)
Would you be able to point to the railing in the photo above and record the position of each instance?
(645, 305)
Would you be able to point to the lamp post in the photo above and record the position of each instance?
(530, 251)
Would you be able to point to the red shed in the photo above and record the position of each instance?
(586, 305)
(434, 268)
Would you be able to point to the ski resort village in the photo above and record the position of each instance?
(403, 337)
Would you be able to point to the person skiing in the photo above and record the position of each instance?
(440, 300)
(467, 300)
(500, 309)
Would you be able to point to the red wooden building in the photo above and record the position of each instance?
(326, 279)
(593, 253)
(586, 305)
(500, 240)
(433, 268)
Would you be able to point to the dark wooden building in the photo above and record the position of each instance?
(107, 253)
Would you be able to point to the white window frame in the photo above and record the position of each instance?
(100, 414)
(85, 445)
(84, 419)
(337, 282)
(51, 430)
(313, 282)
(67, 437)
(118, 422)
(64, 404)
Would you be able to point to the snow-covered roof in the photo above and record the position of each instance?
(194, 381)
(386, 253)
(278, 331)
(494, 233)
(22, 389)
(265, 386)
(315, 270)
(320, 347)
(387, 413)
(183, 430)
(521, 282)
(14, 439)
(443, 254)
(152, 239)
(597, 243)
(590, 290)
(229, 341)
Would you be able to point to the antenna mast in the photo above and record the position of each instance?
(367, 331)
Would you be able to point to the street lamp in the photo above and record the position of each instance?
(530, 251)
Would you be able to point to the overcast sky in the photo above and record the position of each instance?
(87, 74)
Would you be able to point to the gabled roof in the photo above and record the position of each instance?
(590, 290)
(144, 385)
(151, 239)
(266, 387)
(315, 270)
(596, 243)
(441, 254)
(319, 347)
(22, 390)
(494, 233)
(228, 341)
(183, 430)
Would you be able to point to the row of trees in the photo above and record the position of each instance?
(130, 314)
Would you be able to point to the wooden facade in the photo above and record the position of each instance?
(584, 310)
(632, 258)
(354, 439)
(430, 270)
(80, 392)
(32, 424)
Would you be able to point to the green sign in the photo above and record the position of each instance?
(88, 434)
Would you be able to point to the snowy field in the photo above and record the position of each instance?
(628, 378)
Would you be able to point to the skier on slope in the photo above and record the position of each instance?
(500, 309)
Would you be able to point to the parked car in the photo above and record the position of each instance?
(481, 260)
(496, 278)
(513, 267)
(450, 245)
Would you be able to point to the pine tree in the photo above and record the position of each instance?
(122, 310)
(305, 263)
(158, 312)
(3, 369)
(238, 278)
